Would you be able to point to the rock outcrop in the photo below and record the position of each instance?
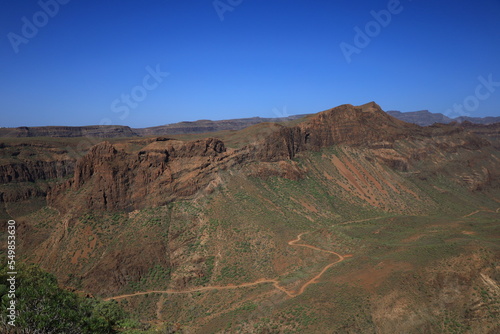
(31, 171)
(99, 131)
(137, 173)
(345, 124)
(162, 169)
(111, 179)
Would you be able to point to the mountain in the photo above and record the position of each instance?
(202, 126)
(348, 220)
(478, 120)
(422, 117)
(425, 118)
(118, 131)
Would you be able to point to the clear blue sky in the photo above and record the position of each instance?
(265, 58)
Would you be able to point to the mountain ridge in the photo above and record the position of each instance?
(426, 118)
(422, 118)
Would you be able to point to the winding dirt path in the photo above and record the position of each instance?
(203, 288)
(275, 282)
(315, 278)
(477, 211)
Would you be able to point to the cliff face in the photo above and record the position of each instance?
(352, 125)
(160, 172)
(99, 131)
(137, 173)
(31, 171)
(345, 124)
(27, 169)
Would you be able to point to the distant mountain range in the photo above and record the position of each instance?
(205, 125)
(422, 118)
(425, 118)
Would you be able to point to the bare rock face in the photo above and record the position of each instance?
(111, 179)
(31, 171)
(27, 168)
(19, 194)
(352, 125)
(345, 124)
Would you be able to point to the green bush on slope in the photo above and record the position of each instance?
(43, 307)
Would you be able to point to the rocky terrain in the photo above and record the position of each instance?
(347, 220)
(163, 169)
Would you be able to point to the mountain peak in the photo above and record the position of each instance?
(370, 107)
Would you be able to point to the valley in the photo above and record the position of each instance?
(259, 281)
(345, 221)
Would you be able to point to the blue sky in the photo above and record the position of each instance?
(91, 61)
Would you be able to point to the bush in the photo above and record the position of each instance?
(43, 307)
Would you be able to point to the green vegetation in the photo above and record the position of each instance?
(209, 267)
(232, 272)
(43, 307)
(157, 277)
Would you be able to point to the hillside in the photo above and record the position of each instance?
(348, 220)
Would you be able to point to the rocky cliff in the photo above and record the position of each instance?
(161, 171)
(28, 168)
(31, 171)
(98, 131)
(346, 124)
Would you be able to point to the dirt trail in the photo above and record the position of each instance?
(315, 278)
(203, 288)
(477, 211)
(275, 282)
